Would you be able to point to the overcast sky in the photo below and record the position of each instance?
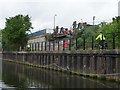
(42, 11)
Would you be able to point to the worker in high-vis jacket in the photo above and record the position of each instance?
(101, 39)
(28, 47)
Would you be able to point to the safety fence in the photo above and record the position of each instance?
(70, 43)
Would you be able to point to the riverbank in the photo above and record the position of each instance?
(94, 64)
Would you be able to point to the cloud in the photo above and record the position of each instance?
(42, 11)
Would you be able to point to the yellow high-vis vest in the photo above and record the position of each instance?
(101, 37)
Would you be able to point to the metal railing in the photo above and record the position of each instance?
(81, 43)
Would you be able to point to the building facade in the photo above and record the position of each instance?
(38, 36)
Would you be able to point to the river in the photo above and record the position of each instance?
(16, 76)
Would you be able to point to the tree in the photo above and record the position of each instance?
(112, 30)
(15, 32)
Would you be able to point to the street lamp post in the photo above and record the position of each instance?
(93, 20)
(94, 29)
(54, 20)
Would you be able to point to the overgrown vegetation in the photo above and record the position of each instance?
(14, 35)
(110, 30)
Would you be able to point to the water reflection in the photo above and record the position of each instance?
(20, 76)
